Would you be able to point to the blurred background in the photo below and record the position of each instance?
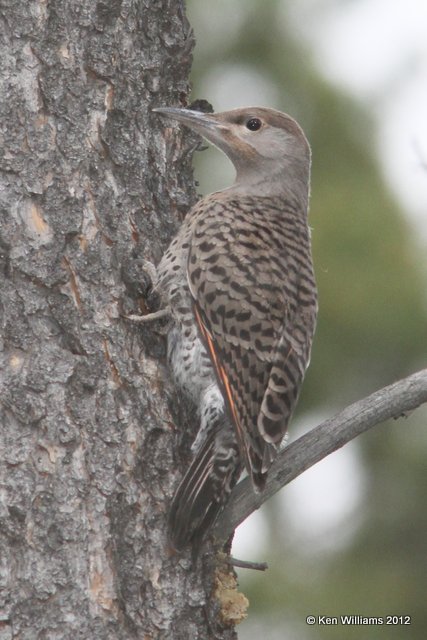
(350, 535)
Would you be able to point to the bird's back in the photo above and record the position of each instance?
(251, 280)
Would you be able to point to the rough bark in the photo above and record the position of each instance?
(90, 185)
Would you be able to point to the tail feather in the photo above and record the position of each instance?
(205, 487)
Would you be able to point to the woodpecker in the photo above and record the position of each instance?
(239, 284)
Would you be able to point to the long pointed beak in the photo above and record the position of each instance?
(215, 128)
(197, 120)
(205, 124)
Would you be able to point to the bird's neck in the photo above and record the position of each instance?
(291, 182)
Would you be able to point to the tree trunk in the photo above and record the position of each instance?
(91, 183)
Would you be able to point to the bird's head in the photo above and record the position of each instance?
(267, 147)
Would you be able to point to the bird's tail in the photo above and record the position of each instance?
(205, 487)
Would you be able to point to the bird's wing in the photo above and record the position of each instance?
(243, 302)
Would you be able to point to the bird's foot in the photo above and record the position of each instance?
(148, 317)
(140, 278)
(149, 269)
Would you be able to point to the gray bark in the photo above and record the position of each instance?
(90, 185)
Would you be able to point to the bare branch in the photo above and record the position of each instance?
(245, 564)
(393, 401)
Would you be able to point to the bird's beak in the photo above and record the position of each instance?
(205, 124)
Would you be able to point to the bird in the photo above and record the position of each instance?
(239, 285)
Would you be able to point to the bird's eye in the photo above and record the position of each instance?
(253, 124)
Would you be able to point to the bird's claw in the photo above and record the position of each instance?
(148, 317)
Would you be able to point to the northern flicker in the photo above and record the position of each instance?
(238, 281)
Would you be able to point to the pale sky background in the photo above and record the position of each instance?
(376, 50)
